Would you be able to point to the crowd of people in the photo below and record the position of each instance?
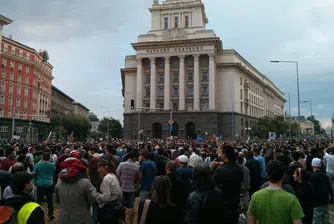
(174, 181)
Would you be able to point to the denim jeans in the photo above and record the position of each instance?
(128, 199)
(48, 191)
(95, 217)
(320, 215)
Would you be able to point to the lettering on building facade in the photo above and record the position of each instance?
(176, 49)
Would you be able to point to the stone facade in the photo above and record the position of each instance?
(80, 110)
(181, 66)
(61, 103)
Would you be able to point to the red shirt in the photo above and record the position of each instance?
(6, 164)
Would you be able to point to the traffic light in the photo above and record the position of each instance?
(132, 104)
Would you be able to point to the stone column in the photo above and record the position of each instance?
(153, 92)
(167, 84)
(212, 81)
(181, 84)
(139, 83)
(196, 84)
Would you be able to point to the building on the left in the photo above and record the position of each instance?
(25, 89)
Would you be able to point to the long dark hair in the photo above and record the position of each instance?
(161, 191)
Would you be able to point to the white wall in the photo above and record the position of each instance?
(130, 91)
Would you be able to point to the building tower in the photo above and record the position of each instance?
(3, 21)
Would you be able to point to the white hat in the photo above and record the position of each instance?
(183, 159)
(316, 162)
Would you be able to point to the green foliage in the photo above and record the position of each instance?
(275, 124)
(79, 125)
(317, 125)
(97, 135)
(59, 133)
(115, 127)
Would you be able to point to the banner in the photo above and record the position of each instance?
(272, 136)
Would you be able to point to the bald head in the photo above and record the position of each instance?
(18, 167)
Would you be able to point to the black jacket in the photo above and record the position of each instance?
(206, 207)
(178, 193)
(304, 193)
(36, 217)
(228, 179)
(254, 167)
(322, 188)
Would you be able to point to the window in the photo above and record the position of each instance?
(175, 91)
(13, 50)
(241, 108)
(19, 78)
(3, 128)
(4, 62)
(161, 78)
(240, 93)
(190, 76)
(148, 64)
(161, 105)
(10, 88)
(175, 106)
(25, 104)
(148, 78)
(11, 76)
(175, 63)
(205, 106)
(161, 64)
(242, 121)
(147, 93)
(9, 113)
(19, 129)
(2, 89)
(205, 91)
(186, 21)
(28, 57)
(2, 99)
(166, 23)
(1, 112)
(205, 61)
(190, 91)
(18, 90)
(24, 115)
(190, 62)
(176, 21)
(240, 80)
(189, 106)
(12, 64)
(10, 101)
(3, 74)
(161, 91)
(25, 91)
(205, 76)
(18, 102)
(27, 69)
(20, 67)
(175, 76)
(27, 80)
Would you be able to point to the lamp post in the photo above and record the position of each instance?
(108, 122)
(297, 69)
(308, 101)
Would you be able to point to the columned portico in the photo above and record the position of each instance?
(139, 82)
(181, 84)
(196, 83)
(212, 82)
(153, 94)
(167, 84)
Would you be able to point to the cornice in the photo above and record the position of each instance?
(177, 43)
(250, 75)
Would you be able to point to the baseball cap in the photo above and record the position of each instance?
(316, 162)
(19, 180)
(183, 159)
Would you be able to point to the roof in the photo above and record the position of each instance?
(4, 20)
(80, 105)
(61, 93)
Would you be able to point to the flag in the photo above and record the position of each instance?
(71, 138)
(49, 138)
(141, 131)
(248, 140)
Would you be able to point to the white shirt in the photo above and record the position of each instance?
(110, 190)
(330, 163)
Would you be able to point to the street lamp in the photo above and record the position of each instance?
(308, 101)
(296, 63)
(108, 122)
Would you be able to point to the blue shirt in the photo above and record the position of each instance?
(44, 172)
(263, 165)
(149, 171)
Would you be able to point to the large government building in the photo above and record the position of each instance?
(181, 66)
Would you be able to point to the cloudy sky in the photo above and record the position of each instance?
(88, 40)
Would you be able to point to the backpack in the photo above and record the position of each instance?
(7, 213)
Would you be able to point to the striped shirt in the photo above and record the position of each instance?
(128, 172)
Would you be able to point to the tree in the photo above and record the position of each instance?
(276, 124)
(115, 127)
(316, 123)
(79, 125)
(59, 133)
